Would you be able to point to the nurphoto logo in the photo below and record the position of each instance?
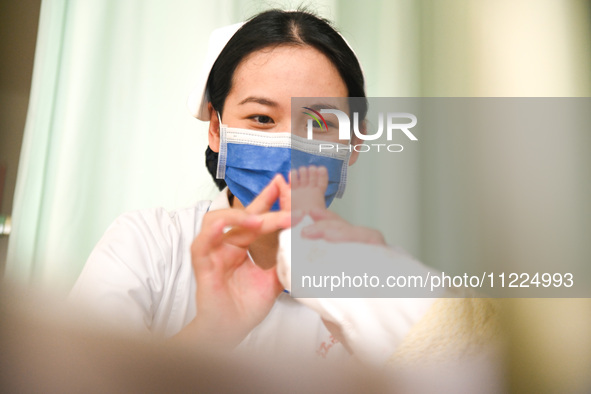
(394, 122)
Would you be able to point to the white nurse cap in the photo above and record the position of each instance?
(199, 97)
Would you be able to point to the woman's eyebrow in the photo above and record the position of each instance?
(320, 106)
(259, 100)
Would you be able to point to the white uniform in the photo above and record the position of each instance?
(140, 276)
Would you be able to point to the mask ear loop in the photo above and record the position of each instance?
(223, 153)
(222, 156)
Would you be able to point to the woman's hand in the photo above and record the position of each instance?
(331, 227)
(233, 293)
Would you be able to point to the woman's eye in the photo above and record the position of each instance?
(322, 127)
(262, 119)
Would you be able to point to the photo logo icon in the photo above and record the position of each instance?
(318, 118)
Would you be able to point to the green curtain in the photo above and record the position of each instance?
(107, 129)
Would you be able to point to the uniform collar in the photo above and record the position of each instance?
(221, 201)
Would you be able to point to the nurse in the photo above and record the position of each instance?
(177, 273)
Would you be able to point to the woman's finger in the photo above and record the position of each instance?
(336, 231)
(284, 195)
(208, 239)
(355, 234)
(214, 223)
(296, 217)
(318, 214)
(265, 200)
(325, 225)
(271, 222)
(232, 217)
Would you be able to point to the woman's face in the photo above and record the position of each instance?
(264, 83)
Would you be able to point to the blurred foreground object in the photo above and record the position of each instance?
(549, 345)
(45, 350)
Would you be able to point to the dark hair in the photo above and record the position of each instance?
(277, 27)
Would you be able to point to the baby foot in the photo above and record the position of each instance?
(308, 185)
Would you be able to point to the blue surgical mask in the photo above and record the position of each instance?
(248, 161)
